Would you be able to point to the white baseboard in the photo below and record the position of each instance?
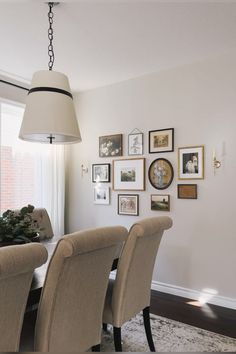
(190, 293)
(194, 294)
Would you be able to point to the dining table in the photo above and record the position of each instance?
(40, 275)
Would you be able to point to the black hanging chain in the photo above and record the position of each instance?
(50, 36)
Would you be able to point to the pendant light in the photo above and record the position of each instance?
(49, 115)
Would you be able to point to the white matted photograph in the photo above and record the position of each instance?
(191, 162)
(128, 204)
(129, 174)
(101, 195)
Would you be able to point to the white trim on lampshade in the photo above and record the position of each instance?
(48, 112)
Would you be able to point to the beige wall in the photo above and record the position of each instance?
(199, 101)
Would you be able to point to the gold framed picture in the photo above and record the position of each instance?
(128, 174)
(191, 162)
(187, 191)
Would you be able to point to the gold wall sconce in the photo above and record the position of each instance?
(216, 163)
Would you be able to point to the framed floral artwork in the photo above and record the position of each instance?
(110, 145)
(160, 173)
(135, 144)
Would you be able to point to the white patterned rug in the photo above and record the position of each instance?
(168, 336)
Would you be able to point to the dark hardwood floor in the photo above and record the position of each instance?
(211, 317)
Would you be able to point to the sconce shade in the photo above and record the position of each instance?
(49, 115)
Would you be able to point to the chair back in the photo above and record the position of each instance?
(132, 287)
(17, 264)
(71, 306)
(41, 217)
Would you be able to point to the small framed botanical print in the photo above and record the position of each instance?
(191, 162)
(128, 174)
(101, 195)
(128, 204)
(135, 144)
(160, 173)
(101, 172)
(160, 202)
(110, 145)
(187, 191)
(161, 140)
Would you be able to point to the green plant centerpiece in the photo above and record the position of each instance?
(18, 227)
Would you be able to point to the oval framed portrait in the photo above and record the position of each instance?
(160, 173)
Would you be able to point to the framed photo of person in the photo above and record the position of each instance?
(135, 144)
(128, 204)
(191, 162)
(160, 202)
(128, 174)
(187, 191)
(110, 145)
(101, 172)
(161, 140)
(101, 195)
(160, 173)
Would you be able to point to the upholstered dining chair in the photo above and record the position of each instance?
(129, 293)
(71, 305)
(17, 264)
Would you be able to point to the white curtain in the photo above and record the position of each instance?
(37, 173)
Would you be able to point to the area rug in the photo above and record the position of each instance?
(168, 336)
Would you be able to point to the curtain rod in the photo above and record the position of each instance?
(11, 84)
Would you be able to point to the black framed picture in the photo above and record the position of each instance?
(128, 204)
(160, 173)
(161, 140)
(101, 172)
(110, 145)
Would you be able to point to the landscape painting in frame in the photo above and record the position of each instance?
(128, 174)
(101, 173)
(161, 140)
(160, 202)
(135, 144)
(128, 204)
(110, 145)
(101, 195)
(191, 162)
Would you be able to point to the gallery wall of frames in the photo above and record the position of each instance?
(127, 173)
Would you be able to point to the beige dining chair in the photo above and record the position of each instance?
(17, 264)
(129, 293)
(71, 306)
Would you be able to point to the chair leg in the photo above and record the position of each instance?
(146, 320)
(117, 338)
(96, 348)
(104, 326)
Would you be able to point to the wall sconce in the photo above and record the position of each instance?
(216, 163)
(83, 170)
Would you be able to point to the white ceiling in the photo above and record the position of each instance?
(99, 42)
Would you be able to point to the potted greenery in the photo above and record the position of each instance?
(18, 227)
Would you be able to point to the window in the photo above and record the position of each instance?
(30, 173)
